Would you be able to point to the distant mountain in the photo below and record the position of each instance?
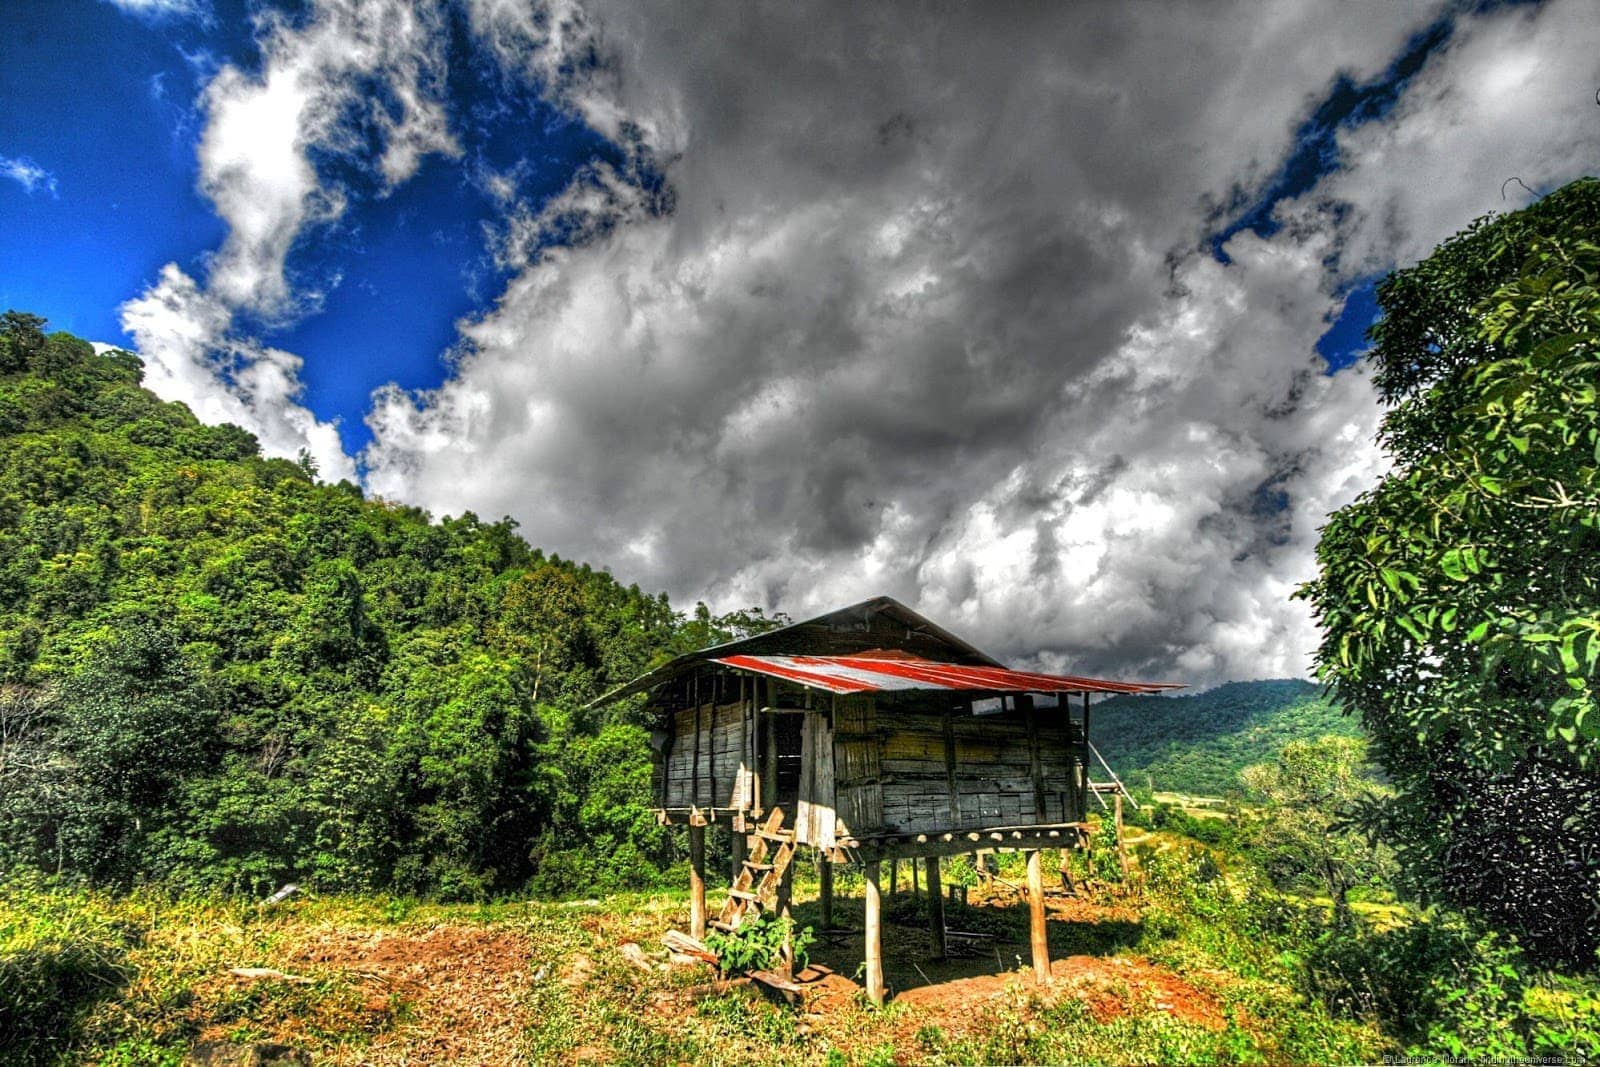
(1199, 743)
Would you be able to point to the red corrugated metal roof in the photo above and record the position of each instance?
(870, 672)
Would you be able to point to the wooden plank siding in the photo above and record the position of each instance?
(999, 774)
(714, 773)
(913, 767)
(857, 765)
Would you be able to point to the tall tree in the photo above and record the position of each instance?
(1304, 798)
(1460, 599)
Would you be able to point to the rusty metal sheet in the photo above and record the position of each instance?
(880, 672)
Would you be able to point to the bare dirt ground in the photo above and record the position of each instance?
(1110, 987)
(1086, 939)
(462, 994)
(451, 994)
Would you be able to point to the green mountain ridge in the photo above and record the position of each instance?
(1197, 743)
(217, 671)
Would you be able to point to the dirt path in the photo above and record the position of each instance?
(1110, 986)
(451, 994)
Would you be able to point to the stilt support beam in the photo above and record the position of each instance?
(935, 907)
(874, 933)
(1041, 942)
(825, 892)
(697, 881)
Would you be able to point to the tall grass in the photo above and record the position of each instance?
(61, 954)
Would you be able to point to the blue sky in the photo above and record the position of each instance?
(968, 308)
(104, 104)
(118, 135)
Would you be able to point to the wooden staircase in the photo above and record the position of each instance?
(756, 887)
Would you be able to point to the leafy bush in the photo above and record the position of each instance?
(757, 944)
(1173, 818)
(1439, 985)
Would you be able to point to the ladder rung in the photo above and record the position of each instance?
(718, 924)
(754, 866)
(743, 894)
(787, 839)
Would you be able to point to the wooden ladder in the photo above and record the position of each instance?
(756, 887)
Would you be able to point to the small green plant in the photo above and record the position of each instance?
(757, 944)
(960, 871)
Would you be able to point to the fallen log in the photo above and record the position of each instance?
(683, 945)
(256, 974)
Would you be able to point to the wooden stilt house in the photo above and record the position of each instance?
(868, 733)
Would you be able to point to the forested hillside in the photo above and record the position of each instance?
(1199, 743)
(217, 671)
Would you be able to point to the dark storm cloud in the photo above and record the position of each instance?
(919, 301)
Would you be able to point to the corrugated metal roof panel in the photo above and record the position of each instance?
(877, 673)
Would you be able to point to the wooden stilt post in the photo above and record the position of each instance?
(1067, 884)
(874, 933)
(786, 953)
(825, 892)
(1122, 850)
(1041, 942)
(894, 876)
(697, 880)
(786, 889)
(935, 907)
(913, 879)
(736, 853)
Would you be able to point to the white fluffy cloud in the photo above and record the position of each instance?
(28, 174)
(160, 9)
(191, 356)
(318, 91)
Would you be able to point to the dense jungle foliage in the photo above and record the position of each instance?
(1460, 598)
(217, 672)
(1198, 743)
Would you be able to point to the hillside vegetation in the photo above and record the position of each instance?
(1198, 743)
(219, 673)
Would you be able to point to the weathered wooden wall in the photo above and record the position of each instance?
(910, 767)
(990, 780)
(857, 764)
(707, 763)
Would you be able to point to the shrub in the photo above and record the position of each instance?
(757, 944)
(1440, 985)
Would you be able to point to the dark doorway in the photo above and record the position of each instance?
(787, 731)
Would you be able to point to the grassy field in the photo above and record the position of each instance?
(147, 978)
(1196, 959)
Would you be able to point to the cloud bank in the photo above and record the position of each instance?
(916, 303)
